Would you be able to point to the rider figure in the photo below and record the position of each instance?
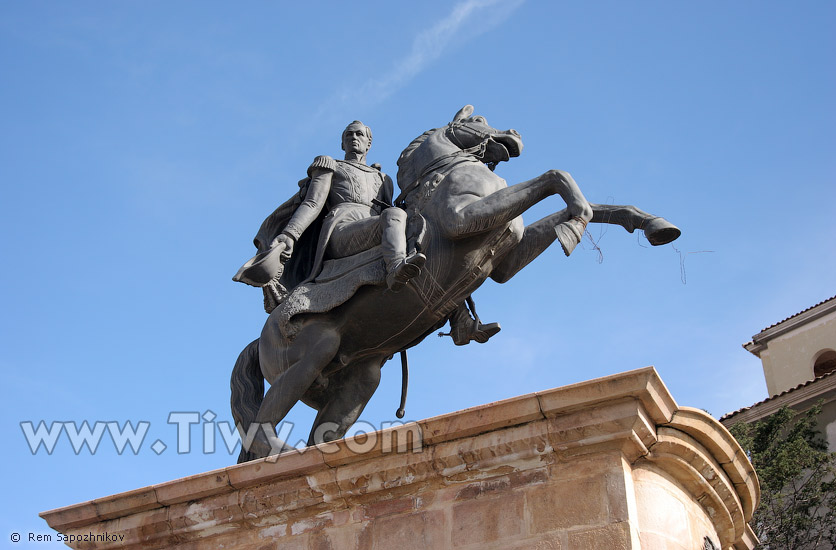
(356, 199)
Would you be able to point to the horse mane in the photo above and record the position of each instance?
(406, 168)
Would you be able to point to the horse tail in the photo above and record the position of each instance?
(247, 385)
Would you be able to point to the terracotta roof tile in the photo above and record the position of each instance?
(799, 313)
(807, 383)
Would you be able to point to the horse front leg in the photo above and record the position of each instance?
(536, 238)
(539, 235)
(468, 214)
(657, 230)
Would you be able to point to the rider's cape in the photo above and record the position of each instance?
(308, 254)
(298, 267)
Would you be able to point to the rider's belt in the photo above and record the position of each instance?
(379, 203)
(353, 202)
(373, 206)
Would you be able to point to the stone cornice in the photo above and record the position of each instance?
(630, 415)
(692, 445)
(761, 339)
(804, 396)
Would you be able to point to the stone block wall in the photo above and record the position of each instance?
(611, 463)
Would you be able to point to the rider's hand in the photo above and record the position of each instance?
(287, 240)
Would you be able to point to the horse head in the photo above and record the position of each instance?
(473, 133)
(466, 135)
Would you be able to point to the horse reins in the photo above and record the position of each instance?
(477, 151)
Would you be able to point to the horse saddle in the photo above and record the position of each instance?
(336, 283)
(340, 278)
(334, 269)
(416, 230)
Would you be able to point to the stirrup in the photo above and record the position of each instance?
(405, 270)
(483, 333)
(472, 330)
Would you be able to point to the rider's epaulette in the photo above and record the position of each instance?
(323, 162)
(377, 166)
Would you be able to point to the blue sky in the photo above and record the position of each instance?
(142, 144)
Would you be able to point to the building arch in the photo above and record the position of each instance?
(824, 362)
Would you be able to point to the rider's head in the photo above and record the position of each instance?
(357, 138)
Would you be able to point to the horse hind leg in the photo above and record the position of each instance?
(349, 390)
(314, 347)
(658, 230)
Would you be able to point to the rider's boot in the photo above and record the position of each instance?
(401, 271)
(464, 328)
(400, 266)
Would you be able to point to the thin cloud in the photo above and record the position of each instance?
(427, 46)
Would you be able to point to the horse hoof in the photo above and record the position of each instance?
(660, 231)
(569, 234)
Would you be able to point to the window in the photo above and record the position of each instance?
(825, 363)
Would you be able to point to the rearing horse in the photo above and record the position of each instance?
(467, 221)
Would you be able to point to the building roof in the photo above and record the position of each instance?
(759, 340)
(810, 389)
(799, 313)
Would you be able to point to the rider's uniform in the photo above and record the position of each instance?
(354, 196)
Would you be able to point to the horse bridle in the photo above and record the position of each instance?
(477, 151)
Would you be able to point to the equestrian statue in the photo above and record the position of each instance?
(351, 277)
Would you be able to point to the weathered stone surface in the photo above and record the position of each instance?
(428, 529)
(486, 520)
(288, 464)
(193, 487)
(724, 449)
(484, 418)
(629, 471)
(615, 536)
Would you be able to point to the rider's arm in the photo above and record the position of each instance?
(320, 172)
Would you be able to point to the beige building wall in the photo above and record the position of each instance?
(798, 356)
(789, 350)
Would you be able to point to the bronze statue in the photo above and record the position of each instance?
(379, 278)
(343, 207)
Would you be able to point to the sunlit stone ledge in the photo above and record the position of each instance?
(607, 463)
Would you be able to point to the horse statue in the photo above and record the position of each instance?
(468, 223)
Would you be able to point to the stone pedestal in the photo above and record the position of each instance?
(607, 464)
